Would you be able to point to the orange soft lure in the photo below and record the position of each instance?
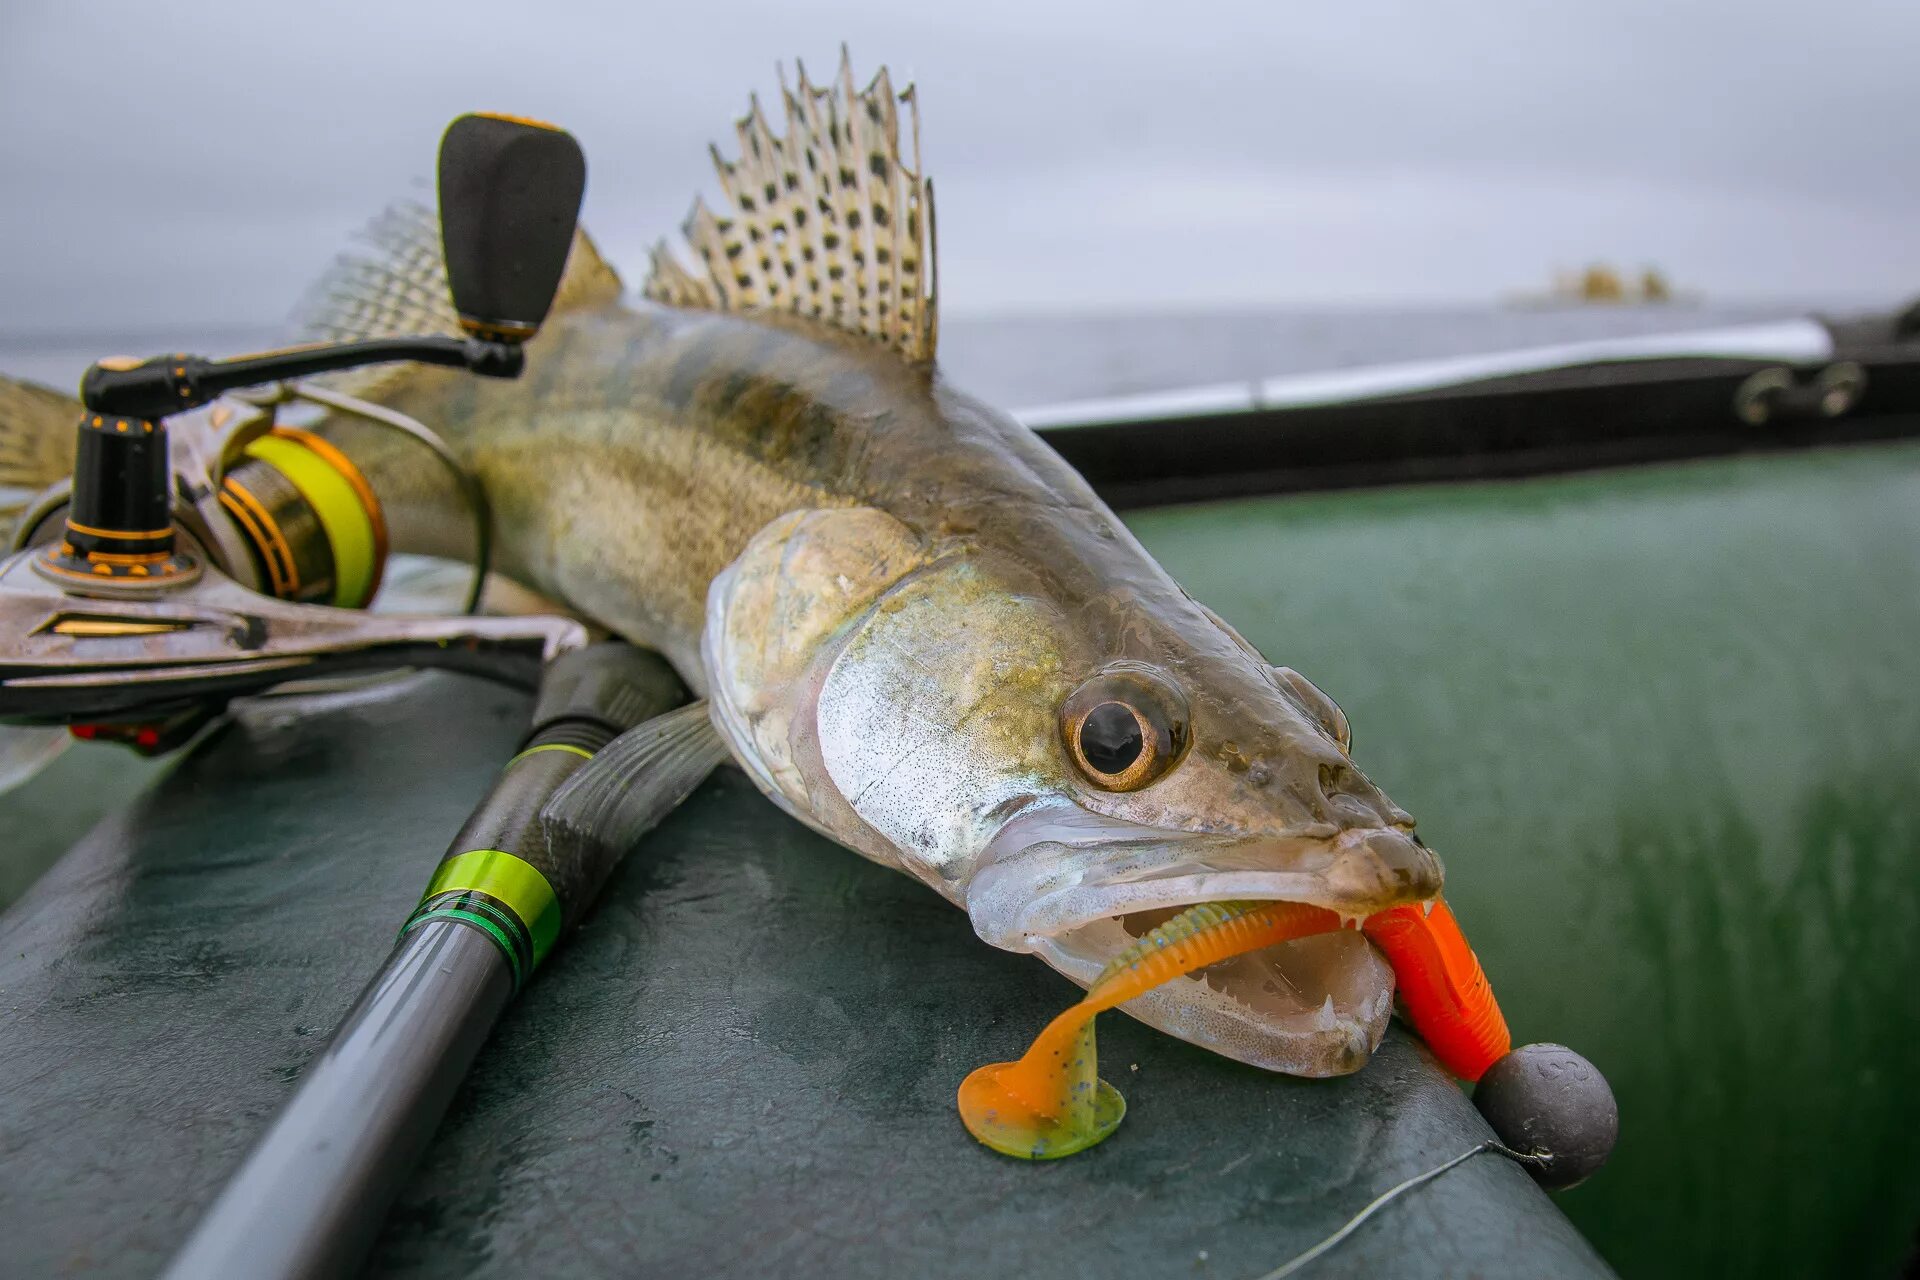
(1443, 990)
(1052, 1102)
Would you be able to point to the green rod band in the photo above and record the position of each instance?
(500, 914)
(513, 881)
(478, 921)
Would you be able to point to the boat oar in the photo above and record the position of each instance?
(311, 1196)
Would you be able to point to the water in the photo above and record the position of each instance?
(1027, 361)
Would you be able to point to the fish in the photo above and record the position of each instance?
(918, 630)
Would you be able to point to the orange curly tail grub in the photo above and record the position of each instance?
(1052, 1102)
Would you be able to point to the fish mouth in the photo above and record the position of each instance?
(1077, 888)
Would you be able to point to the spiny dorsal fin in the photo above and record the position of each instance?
(36, 440)
(831, 221)
(398, 285)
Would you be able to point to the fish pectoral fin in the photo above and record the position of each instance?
(636, 780)
(831, 221)
(36, 440)
(397, 286)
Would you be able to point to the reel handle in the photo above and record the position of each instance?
(510, 194)
(509, 201)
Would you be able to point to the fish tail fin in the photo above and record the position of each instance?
(396, 283)
(36, 441)
(831, 221)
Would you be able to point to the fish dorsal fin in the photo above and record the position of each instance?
(397, 284)
(831, 222)
(36, 441)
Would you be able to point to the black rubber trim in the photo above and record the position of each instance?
(1570, 419)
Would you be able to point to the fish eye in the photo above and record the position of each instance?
(1125, 727)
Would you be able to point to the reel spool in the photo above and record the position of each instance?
(310, 519)
(288, 513)
(298, 521)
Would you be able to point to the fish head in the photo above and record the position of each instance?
(1201, 774)
(1071, 772)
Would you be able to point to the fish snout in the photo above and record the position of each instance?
(1383, 867)
(1334, 790)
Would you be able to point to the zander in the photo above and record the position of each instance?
(919, 631)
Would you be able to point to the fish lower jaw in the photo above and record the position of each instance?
(1314, 1006)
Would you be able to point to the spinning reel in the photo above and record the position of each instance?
(181, 568)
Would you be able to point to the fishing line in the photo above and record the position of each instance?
(1391, 1193)
(471, 490)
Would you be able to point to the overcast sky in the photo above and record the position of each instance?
(200, 162)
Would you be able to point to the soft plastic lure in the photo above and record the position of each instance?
(1444, 992)
(1052, 1101)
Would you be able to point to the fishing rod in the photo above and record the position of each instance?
(310, 1197)
(194, 557)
